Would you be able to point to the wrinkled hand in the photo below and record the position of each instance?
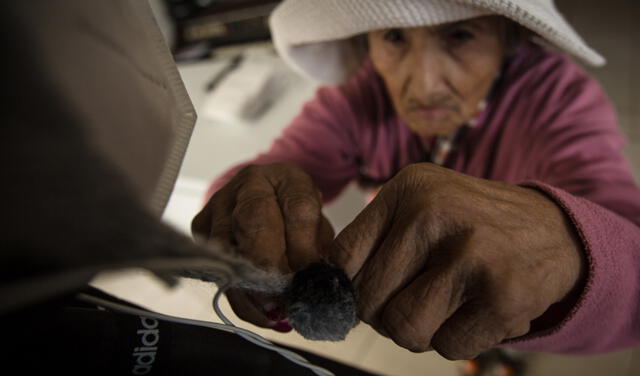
(272, 215)
(446, 261)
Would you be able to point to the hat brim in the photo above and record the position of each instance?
(314, 37)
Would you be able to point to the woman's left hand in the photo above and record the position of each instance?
(447, 261)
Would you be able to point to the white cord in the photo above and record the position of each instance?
(228, 326)
(263, 342)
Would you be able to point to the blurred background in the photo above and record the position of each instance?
(245, 95)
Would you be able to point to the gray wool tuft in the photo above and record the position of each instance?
(321, 303)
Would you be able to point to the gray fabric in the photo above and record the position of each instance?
(96, 122)
(109, 62)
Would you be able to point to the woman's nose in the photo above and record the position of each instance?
(427, 70)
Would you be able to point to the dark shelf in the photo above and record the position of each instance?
(203, 25)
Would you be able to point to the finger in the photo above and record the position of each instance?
(414, 315)
(473, 329)
(213, 221)
(249, 309)
(354, 243)
(396, 263)
(257, 224)
(201, 223)
(326, 235)
(301, 207)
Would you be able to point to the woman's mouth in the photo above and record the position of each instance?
(432, 112)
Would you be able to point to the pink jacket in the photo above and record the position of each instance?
(547, 124)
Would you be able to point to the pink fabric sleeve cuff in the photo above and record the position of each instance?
(606, 316)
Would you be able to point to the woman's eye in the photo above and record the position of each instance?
(459, 36)
(394, 36)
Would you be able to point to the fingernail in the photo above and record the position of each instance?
(282, 327)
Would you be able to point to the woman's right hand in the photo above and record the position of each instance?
(272, 215)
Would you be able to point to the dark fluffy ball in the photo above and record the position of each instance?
(321, 303)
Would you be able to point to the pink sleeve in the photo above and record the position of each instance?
(585, 172)
(606, 317)
(320, 140)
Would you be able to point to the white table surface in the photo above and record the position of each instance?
(217, 145)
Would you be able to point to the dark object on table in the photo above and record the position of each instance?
(230, 67)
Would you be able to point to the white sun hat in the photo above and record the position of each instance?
(314, 36)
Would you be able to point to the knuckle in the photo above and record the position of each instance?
(421, 174)
(418, 347)
(406, 179)
(410, 170)
(283, 166)
(454, 347)
(464, 338)
(250, 170)
(252, 216)
(451, 353)
(286, 170)
(301, 208)
(244, 180)
(400, 327)
(410, 341)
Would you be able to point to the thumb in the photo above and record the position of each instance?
(359, 240)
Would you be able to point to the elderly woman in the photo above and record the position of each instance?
(507, 213)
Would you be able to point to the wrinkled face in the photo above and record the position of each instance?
(438, 76)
